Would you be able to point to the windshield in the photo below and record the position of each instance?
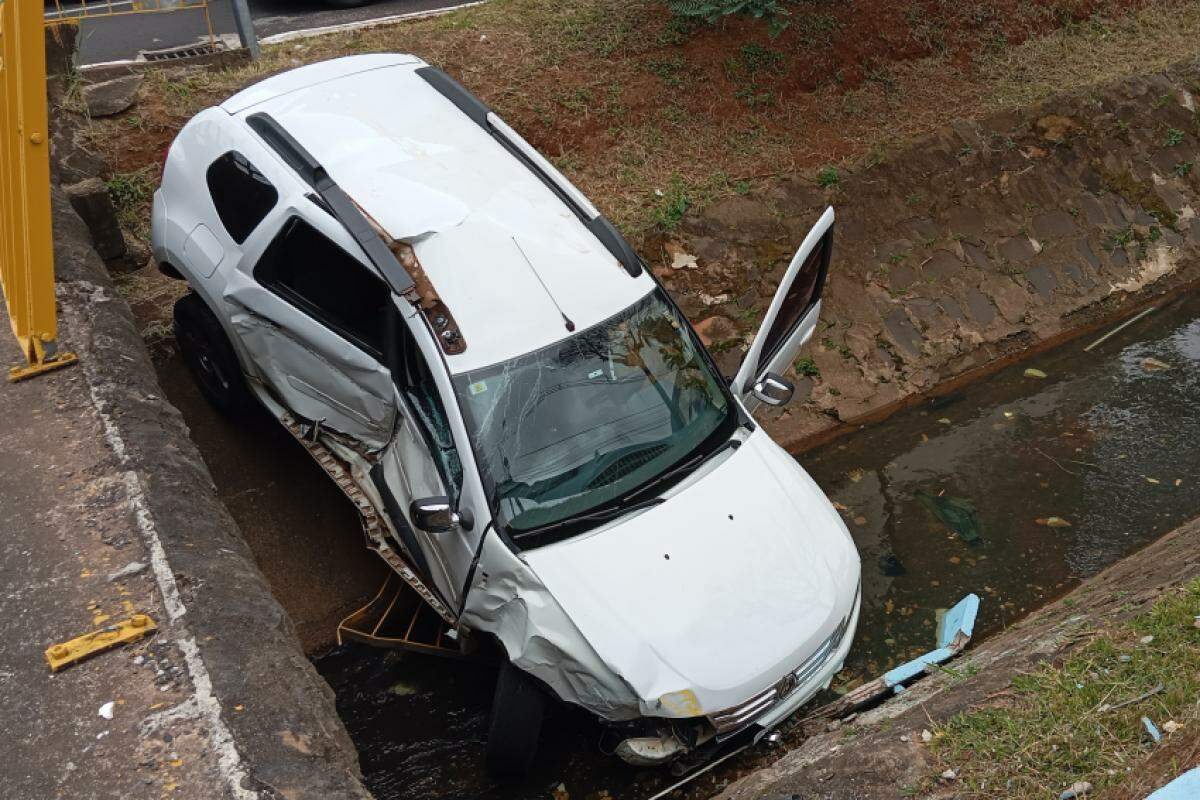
(581, 423)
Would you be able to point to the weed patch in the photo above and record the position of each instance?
(1066, 723)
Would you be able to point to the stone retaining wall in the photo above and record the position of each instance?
(980, 241)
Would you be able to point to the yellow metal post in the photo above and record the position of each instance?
(26, 240)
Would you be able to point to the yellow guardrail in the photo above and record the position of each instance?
(26, 240)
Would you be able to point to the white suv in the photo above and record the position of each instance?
(538, 441)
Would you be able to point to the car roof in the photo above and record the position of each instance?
(505, 254)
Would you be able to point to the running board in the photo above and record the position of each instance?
(373, 527)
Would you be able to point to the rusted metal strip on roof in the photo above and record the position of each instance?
(422, 294)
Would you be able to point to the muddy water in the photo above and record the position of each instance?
(1102, 443)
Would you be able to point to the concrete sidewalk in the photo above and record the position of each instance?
(97, 473)
(68, 516)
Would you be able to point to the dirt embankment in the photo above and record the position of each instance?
(982, 240)
(881, 753)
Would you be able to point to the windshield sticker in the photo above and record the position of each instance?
(596, 373)
(478, 387)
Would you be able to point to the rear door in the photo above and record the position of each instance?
(792, 316)
(311, 319)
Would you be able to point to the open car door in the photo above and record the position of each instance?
(790, 319)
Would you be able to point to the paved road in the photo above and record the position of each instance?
(121, 37)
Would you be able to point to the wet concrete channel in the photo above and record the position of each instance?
(1014, 487)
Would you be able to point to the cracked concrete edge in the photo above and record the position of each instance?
(867, 758)
(271, 718)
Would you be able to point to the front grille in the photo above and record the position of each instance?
(732, 720)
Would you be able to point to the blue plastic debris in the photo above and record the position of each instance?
(1152, 729)
(954, 632)
(1185, 787)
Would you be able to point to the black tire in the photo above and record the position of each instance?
(517, 711)
(210, 357)
(347, 3)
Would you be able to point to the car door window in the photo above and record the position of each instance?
(800, 297)
(241, 194)
(416, 382)
(323, 280)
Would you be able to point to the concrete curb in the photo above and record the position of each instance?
(238, 644)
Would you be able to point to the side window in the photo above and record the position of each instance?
(241, 194)
(416, 383)
(804, 291)
(323, 280)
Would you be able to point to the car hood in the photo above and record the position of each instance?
(720, 590)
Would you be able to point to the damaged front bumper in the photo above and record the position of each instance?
(763, 712)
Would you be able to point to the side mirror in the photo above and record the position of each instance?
(434, 515)
(774, 389)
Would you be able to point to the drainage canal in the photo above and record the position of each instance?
(1015, 488)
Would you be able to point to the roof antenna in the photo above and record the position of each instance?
(546, 289)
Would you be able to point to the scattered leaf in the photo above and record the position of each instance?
(1151, 480)
(1034, 373)
(1154, 365)
(944, 421)
(860, 520)
(1053, 522)
(855, 475)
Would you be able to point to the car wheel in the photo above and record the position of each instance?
(348, 3)
(517, 711)
(210, 357)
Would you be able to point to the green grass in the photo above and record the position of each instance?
(828, 178)
(807, 367)
(1054, 729)
(131, 192)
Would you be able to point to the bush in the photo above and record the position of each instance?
(712, 10)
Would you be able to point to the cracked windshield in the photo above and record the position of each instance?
(573, 426)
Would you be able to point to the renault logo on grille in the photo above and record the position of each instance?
(786, 685)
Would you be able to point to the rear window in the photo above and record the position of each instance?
(241, 194)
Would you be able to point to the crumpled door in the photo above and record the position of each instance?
(313, 371)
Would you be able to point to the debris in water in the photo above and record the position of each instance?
(1154, 365)
(1117, 330)
(956, 512)
(1034, 373)
(1078, 789)
(1152, 729)
(1053, 522)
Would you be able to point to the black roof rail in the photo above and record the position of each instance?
(336, 201)
(477, 111)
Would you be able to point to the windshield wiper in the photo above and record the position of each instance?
(691, 465)
(602, 514)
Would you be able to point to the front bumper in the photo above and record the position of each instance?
(775, 703)
(764, 711)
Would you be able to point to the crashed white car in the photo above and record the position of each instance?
(549, 454)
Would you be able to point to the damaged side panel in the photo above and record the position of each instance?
(507, 600)
(314, 372)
